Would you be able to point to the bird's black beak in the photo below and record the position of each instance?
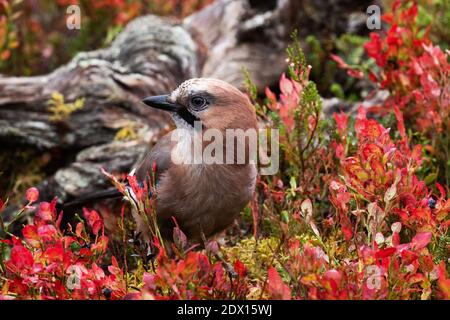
(161, 102)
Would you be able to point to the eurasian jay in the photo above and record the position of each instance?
(204, 198)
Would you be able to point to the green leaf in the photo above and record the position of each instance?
(429, 179)
(75, 246)
(293, 183)
(285, 216)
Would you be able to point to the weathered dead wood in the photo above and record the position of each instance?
(254, 34)
(150, 56)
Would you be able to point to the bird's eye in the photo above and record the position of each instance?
(198, 102)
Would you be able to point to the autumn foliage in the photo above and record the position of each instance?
(47, 263)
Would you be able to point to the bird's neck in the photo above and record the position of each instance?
(192, 147)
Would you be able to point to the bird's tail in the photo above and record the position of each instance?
(93, 197)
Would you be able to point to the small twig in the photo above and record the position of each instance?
(275, 253)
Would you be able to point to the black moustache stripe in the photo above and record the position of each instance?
(187, 116)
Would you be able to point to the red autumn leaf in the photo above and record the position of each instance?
(271, 96)
(411, 13)
(137, 190)
(45, 211)
(286, 85)
(93, 219)
(441, 189)
(85, 252)
(395, 239)
(79, 229)
(430, 86)
(21, 257)
(408, 256)
(420, 240)
(373, 77)
(358, 74)
(240, 269)
(384, 253)
(348, 233)
(54, 254)
(377, 168)
(408, 199)
(149, 281)
(179, 238)
(30, 234)
(372, 129)
(400, 123)
(6, 241)
(32, 195)
(334, 275)
(97, 272)
(289, 99)
(374, 49)
(101, 245)
(339, 150)
(341, 63)
(47, 232)
(278, 290)
(426, 263)
(371, 149)
(58, 221)
(416, 153)
(341, 122)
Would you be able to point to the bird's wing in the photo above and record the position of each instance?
(160, 155)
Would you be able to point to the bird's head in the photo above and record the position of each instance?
(215, 103)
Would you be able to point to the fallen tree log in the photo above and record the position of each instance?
(150, 56)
